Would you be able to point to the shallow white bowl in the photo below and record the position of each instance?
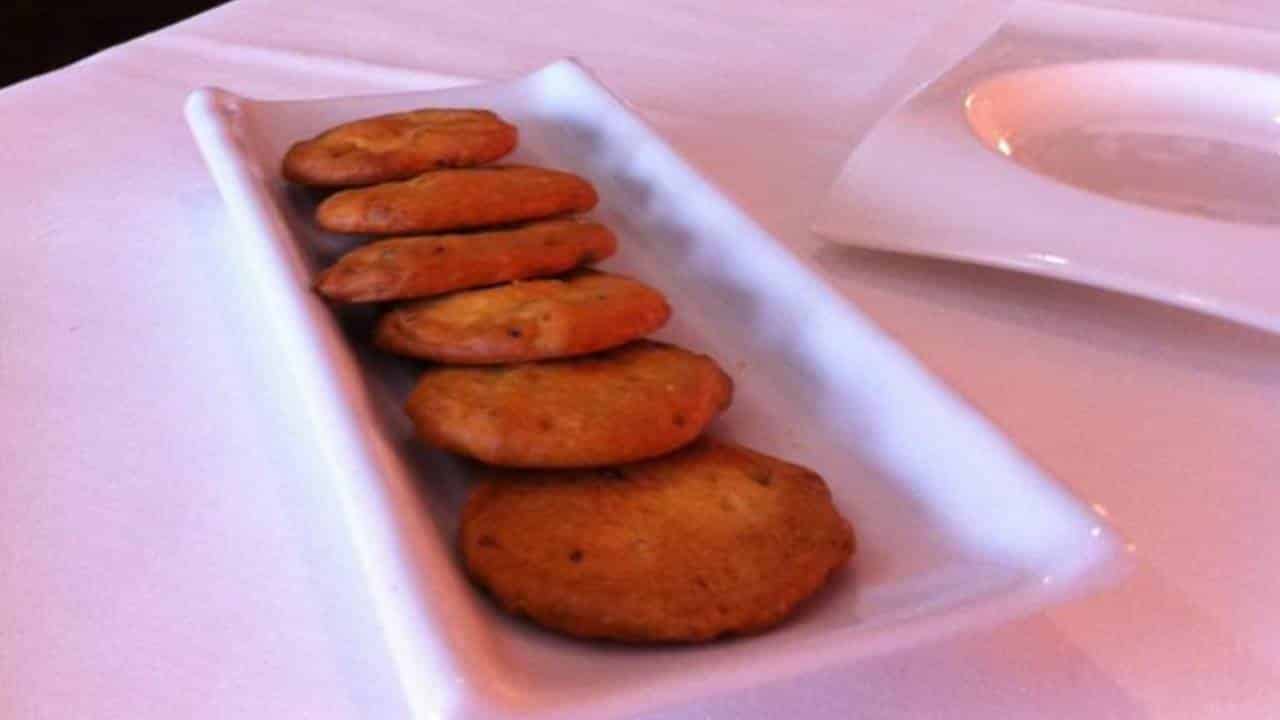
(1157, 178)
(1201, 140)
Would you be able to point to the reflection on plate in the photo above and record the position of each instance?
(1197, 139)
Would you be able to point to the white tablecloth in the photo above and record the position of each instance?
(152, 563)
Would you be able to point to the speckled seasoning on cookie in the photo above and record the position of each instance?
(443, 200)
(399, 146)
(582, 312)
(425, 265)
(712, 540)
(630, 403)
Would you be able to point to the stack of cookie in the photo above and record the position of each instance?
(601, 511)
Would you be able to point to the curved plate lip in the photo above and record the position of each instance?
(1059, 268)
(1130, 64)
(1174, 84)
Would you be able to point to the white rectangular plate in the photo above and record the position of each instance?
(1126, 151)
(955, 528)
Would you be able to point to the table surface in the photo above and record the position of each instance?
(152, 562)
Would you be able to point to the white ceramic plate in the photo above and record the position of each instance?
(1133, 153)
(956, 528)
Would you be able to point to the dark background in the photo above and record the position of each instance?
(41, 35)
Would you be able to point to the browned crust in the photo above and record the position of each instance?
(580, 313)
(399, 146)
(456, 200)
(631, 403)
(425, 265)
(709, 541)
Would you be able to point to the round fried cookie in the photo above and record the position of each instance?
(399, 146)
(583, 312)
(711, 540)
(630, 403)
(443, 200)
(424, 265)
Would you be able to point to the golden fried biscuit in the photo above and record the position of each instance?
(455, 200)
(581, 313)
(399, 146)
(631, 403)
(711, 540)
(425, 265)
